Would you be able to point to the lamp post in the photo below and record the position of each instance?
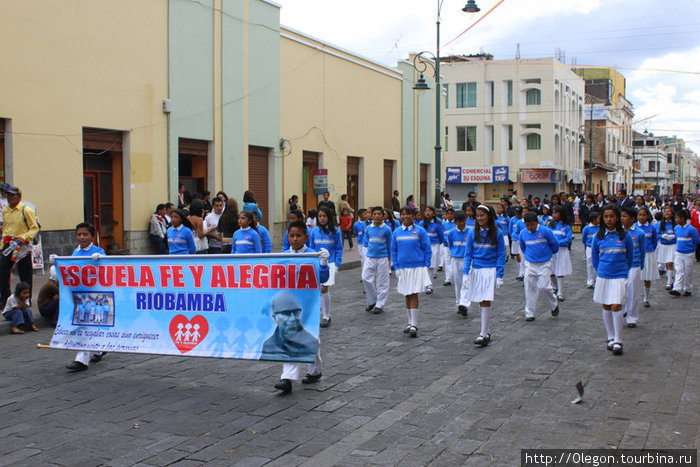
(421, 66)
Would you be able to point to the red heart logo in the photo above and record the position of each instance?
(188, 333)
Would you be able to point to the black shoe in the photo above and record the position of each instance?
(555, 312)
(530, 318)
(675, 293)
(669, 287)
(97, 357)
(285, 385)
(428, 290)
(610, 344)
(520, 278)
(446, 284)
(686, 294)
(590, 286)
(439, 268)
(413, 331)
(646, 304)
(377, 310)
(311, 379)
(77, 366)
(617, 348)
(462, 310)
(483, 341)
(325, 322)
(624, 315)
(369, 307)
(631, 325)
(407, 329)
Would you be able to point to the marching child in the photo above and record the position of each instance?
(448, 224)
(503, 223)
(612, 253)
(667, 244)
(587, 235)
(470, 212)
(17, 310)
(628, 217)
(686, 240)
(485, 261)
(455, 239)
(411, 252)
(311, 219)
(246, 239)
(515, 226)
(85, 233)
(433, 227)
(538, 245)
(294, 216)
(547, 215)
(650, 271)
(359, 230)
(327, 235)
(298, 239)
(561, 261)
(375, 270)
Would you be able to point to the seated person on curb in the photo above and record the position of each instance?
(17, 309)
(48, 297)
(84, 233)
(286, 312)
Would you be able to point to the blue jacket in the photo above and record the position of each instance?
(544, 220)
(435, 232)
(562, 232)
(503, 223)
(92, 249)
(481, 254)
(246, 241)
(377, 240)
(359, 229)
(538, 246)
(322, 270)
(638, 242)
(252, 207)
(456, 241)
(612, 257)
(332, 241)
(588, 233)
(515, 227)
(265, 240)
(686, 238)
(651, 234)
(664, 228)
(287, 246)
(410, 248)
(181, 241)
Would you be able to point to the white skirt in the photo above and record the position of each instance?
(515, 247)
(482, 286)
(332, 269)
(435, 258)
(413, 280)
(651, 269)
(664, 253)
(561, 262)
(610, 291)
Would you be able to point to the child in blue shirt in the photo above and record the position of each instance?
(359, 230)
(327, 235)
(448, 224)
(435, 231)
(516, 225)
(667, 243)
(628, 217)
(247, 238)
(455, 240)
(411, 253)
(294, 215)
(686, 241)
(538, 245)
(650, 271)
(587, 235)
(612, 253)
(375, 270)
(561, 261)
(180, 236)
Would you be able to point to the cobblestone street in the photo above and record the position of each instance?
(384, 397)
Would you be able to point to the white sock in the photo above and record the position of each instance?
(608, 320)
(670, 275)
(408, 315)
(485, 319)
(414, 317)
(618, 323)
(646, 294)
(326, 305)
(520, 269)
(560, 285)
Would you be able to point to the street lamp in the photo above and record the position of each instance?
(421, 66)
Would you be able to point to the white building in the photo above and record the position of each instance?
(513, 122)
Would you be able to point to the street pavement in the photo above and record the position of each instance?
(384, 399)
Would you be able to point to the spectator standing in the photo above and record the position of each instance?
(158, 227)
(328, 204)
(228, 223)
(249, 204)
(211, 225)
(395, 202)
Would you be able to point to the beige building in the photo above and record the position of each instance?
(512, 125)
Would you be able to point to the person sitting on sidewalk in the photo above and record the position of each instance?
(48, 298)
(17, 309)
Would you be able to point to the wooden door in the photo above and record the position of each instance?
(353, 181)
(309, 164)
(258, 183)
(388, 182)
(423, 195)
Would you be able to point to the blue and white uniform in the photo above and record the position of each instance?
(612, 258)
(332, 241)
(538, 247)
(376, 267)
(411, 253)
(89, 305)
(181, 241)
(456, 241)
(561, 261)
(246, 240)
(359, 229)
(265, 239)
(650, 271)
(435, 233)
(634, 277)
(686, 241)
(587, 235)
(445, 257)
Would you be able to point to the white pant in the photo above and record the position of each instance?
(460, 281)
(84, 357)
(291, 370)
(375, 277)
(538, 283)
(683, 265)
(590, 270)
(361, 250)
(447, 259)
(634, 294)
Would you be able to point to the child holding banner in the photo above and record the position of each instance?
(298, 237)
(411, 253)
(84, 233)
(326, 235)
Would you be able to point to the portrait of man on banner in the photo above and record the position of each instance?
(290, 341)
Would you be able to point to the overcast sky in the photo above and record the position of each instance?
(631, 34)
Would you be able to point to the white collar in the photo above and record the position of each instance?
(87, 248)
(407, 228)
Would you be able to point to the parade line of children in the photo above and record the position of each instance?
(625, 248)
